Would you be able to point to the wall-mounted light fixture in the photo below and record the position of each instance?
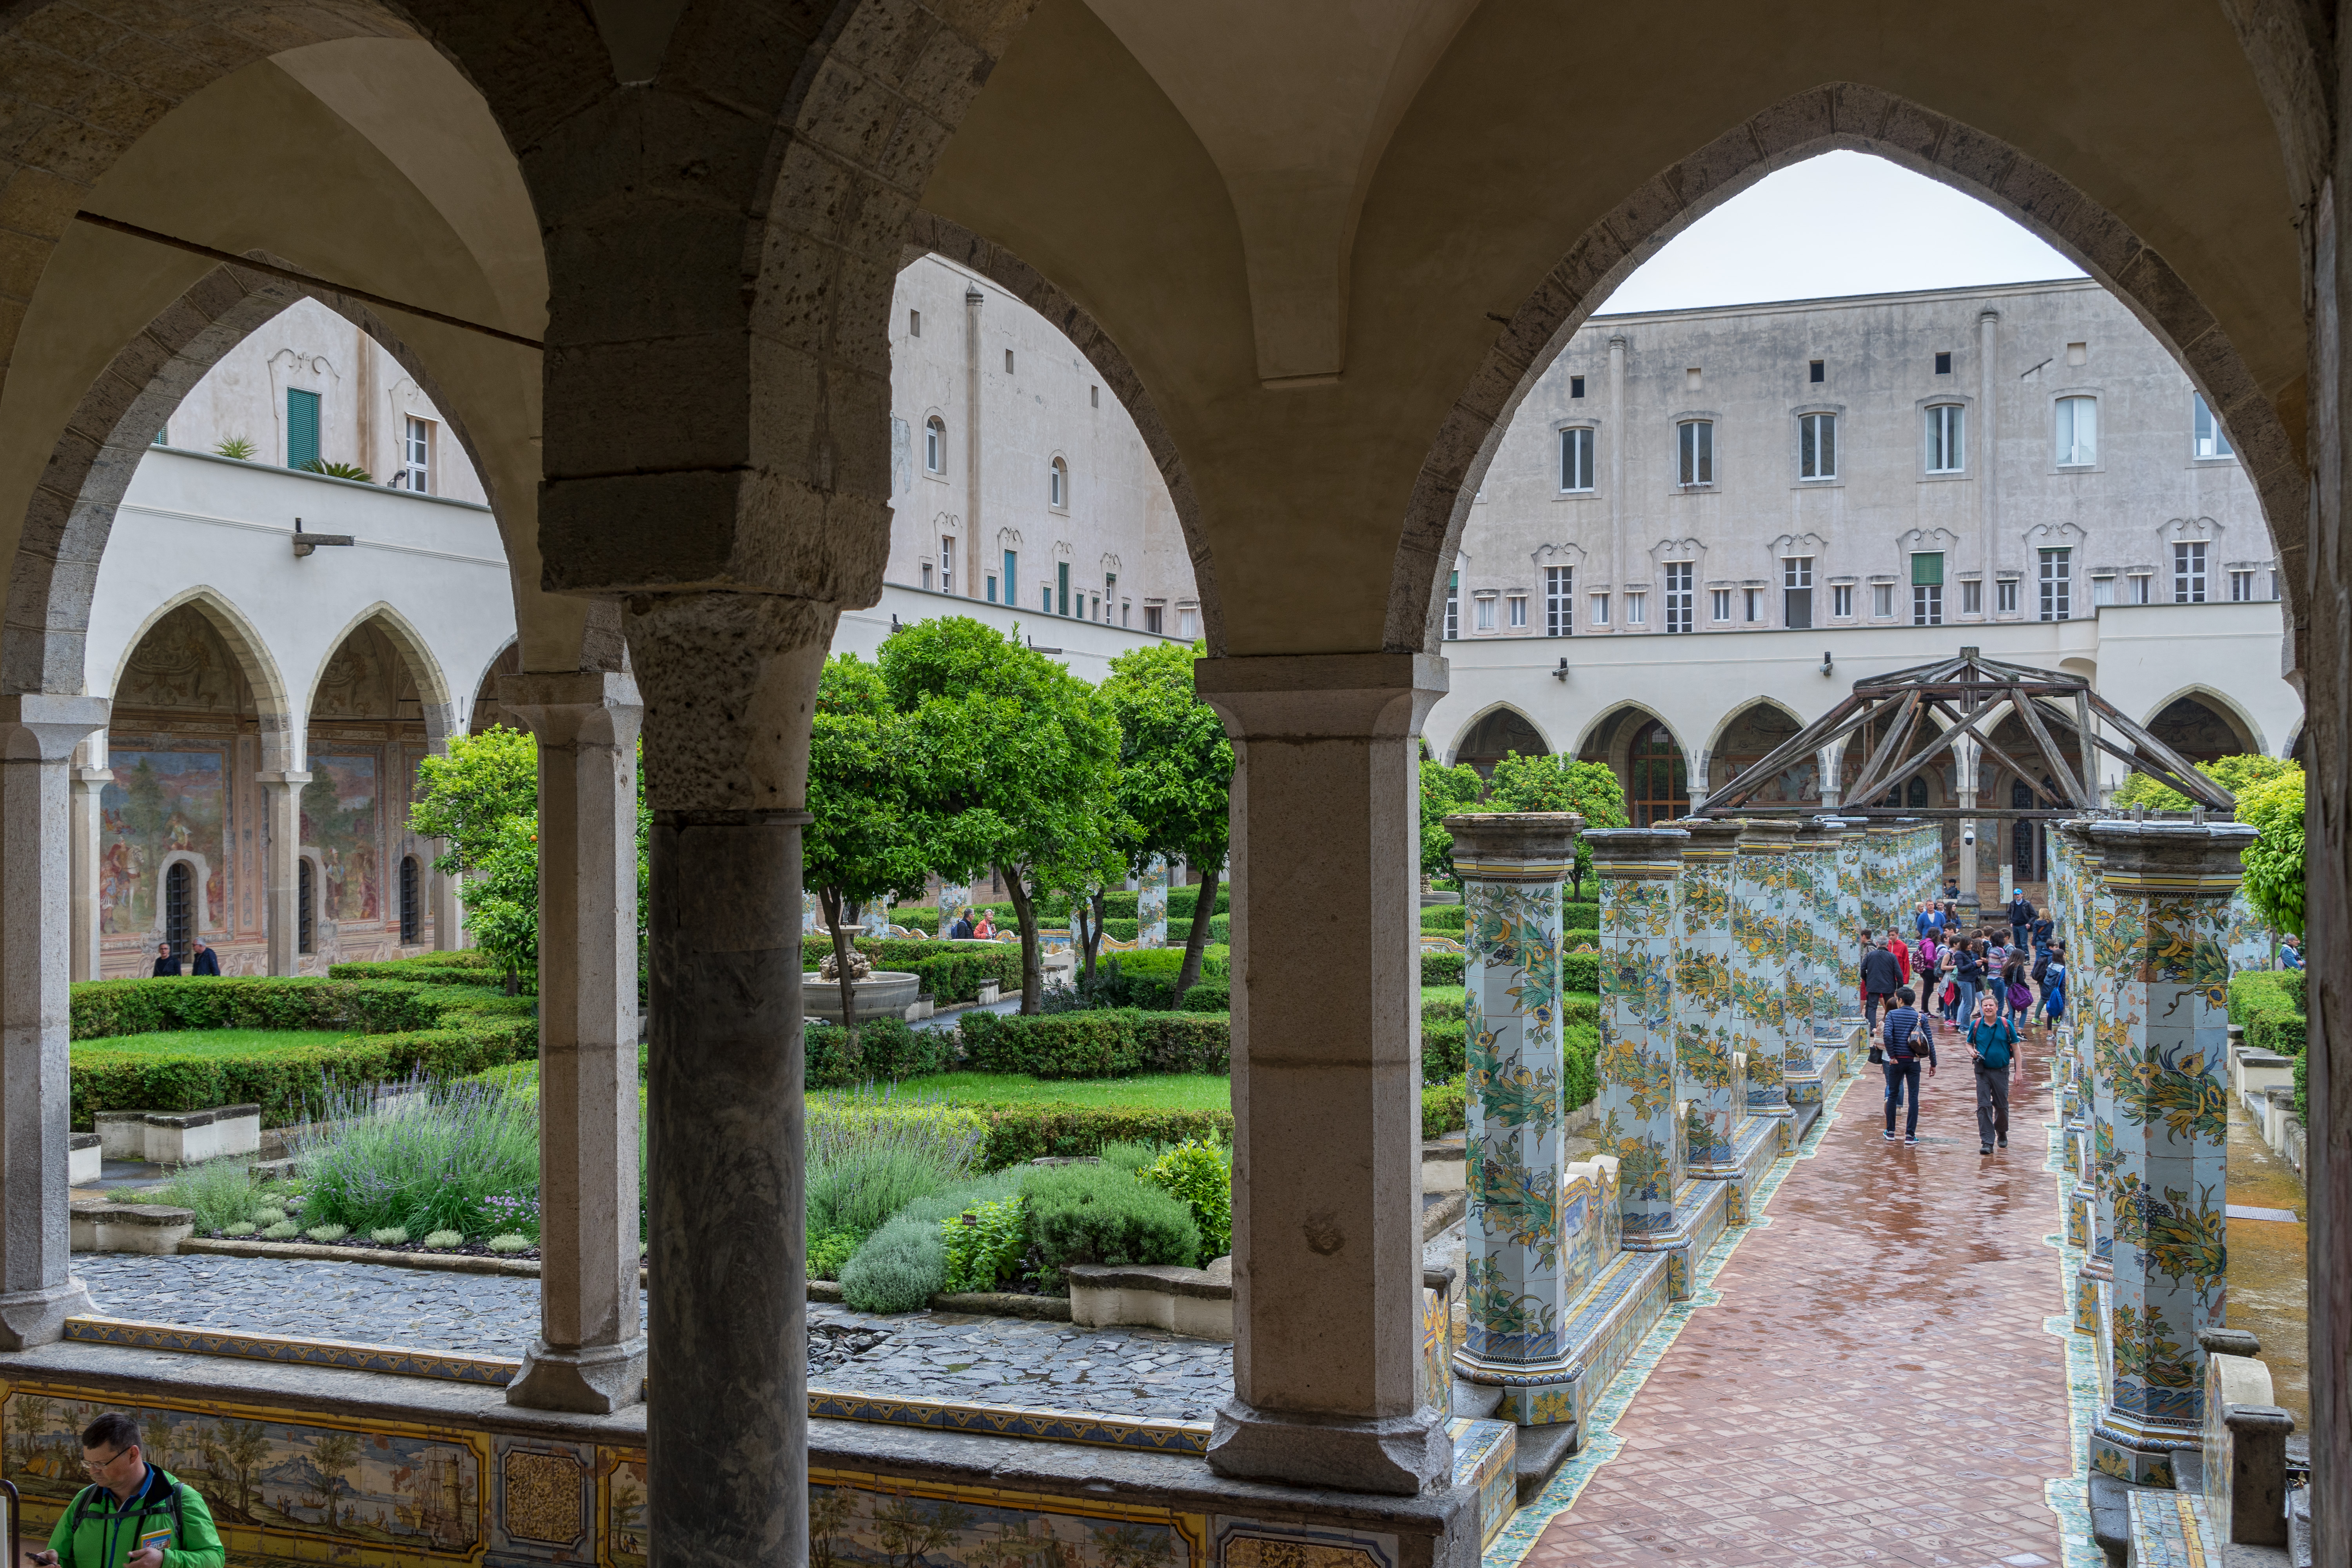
(1828, 665)
(306, 543)
(1561, 673)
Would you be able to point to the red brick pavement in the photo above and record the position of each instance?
(1877, 1385)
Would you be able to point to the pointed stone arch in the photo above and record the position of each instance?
(1479, 721)
(272, 701)
(2229, 709)
(440, 713)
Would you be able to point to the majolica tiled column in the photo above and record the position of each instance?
(1520, 1273)
(1639, 871)
(2171, 883)
(1151, 904)
(2253, 945)
(1707, 1033)
(1812, 938)
(2092, 969)
(1883, 875)
(1852, 851)
(1758, 963)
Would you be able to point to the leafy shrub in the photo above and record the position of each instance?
(2263, 1002)
(1443, 1108)
(390, 1236)
(2303, 1090)
(1018, 1134)
(885, 1113)
(1443, 1049)
(1580, 1079)
(1448, 919)
(1110, 1043)
(985, 1244)
(2294, 981)
(903, 1265)
(328, 1232)
(284, 1230)
(828, 1252)
(267, 1215)
(887, 1050)
(462, 1157)
(221, 1192)
(1210, 996)
(1441, 969)
(1101, 1214)
(855, 1190)
(510, 1242)
(442, 1240)
(1200, 1176)
(1580, 972)
(241, 1228)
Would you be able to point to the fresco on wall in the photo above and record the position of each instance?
(339, 821)
(385, 1487)
(182, 664)
(367, 679)
(160, 802)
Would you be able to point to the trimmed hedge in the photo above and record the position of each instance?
(1208, 996)
(1448, 919)
(1444, 1108)
(2265, 1003)
(1441, 969)
(887, 1050)
(401, 1028)
(947, 972)
(1016, 1135)
(1109, 1043)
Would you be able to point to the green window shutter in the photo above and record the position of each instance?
(1927, 570)
(301, 427)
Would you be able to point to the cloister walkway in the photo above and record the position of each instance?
(1872, 1377)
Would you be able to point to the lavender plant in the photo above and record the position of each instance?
(450, 1156)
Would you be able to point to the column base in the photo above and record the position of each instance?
(2136, 1451)
(1755, 1144)
(596, 1380)
(1403, 1455)
(29, 1318)
(1779, 1115)
(1603, 1326)
(1702, 1214)
(2090, 1315)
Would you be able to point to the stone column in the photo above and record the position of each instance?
(1521, 1273)
(1758, 961)
(2171, 883)
(448, 912)
(1852, 853)
(1706, 1028)
(590, 1351)
(729, 681)
(281, 826)
(36, 1291)
(1326, 1078)
(89, 787)
(1639, 871)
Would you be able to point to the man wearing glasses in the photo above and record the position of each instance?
(131, 1515)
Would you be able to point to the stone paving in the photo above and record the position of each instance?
(1874, 1380)
(917, 1355)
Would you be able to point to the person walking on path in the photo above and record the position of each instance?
(166, 962)
(1882, 977)
(2053, 986)
(1902, 953)
(2017, 996)
(1968, 973)
(131, 1515)
(1905, 1039)
(204, 961)
(1992, 1047)
(2020, 919)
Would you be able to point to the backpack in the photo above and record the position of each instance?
(2019, 997)
(1995, 1052)
(171, 1505)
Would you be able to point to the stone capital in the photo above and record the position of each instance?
(1321, 697)
(1711, 837)
(42, 727)
(1768, 834)
(1514, 845)
(1636, 851)
(570, 708)
(2171, 856)
(730, 684)
(282, 778)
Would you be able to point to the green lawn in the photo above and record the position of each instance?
(213, 1042)
(1158, 1091)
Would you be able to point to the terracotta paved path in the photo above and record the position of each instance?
(1877, 1385)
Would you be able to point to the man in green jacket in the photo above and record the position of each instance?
(131, 1515)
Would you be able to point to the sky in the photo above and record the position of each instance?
(1845, 223)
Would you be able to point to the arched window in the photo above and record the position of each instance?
(305, 929)
(411, 902)
(935, 444)
(180, 907)
(1057, 484)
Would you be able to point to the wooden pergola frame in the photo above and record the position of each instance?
(1970, 695)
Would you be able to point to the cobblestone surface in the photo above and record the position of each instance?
(919, 1355)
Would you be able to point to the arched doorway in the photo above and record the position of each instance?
(2200, 730)
(1499, 734)
(1657, 787)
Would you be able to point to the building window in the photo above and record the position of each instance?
(2078, 432)
(1599, 609)
(1486, 612)
(1694, 440)
(1152, 618)
(1753, 607)
(1188, 622)
(1972, 596)
(1796, 592)
(935, 444)
(301, 427)
(914, 323)
(2189, 573)
(1943, 364)
(1842, 601)
(1678, 598)
(1008, 362)
(1722, 603)
(2057, 584)
(1110, 588)
(1637, 609)
(2242, 587)
(1452, 606)
(1012, 574)
(1817, 446)
(947, 564)
(992, 587)
(1576, 459)
(416, 455)
(1057, 483)
(1560, 603)
(1517, 618)
(411, 905)
(1576, 387)
(305, 924)
(2102, 589)
(1816, 373)
(1126, 612)
(2212, 441)
(163, 436)
(927, 576)
(2143, 587)
(2005, 597)
(1045, 597)
(1927, 588)
(1062, 582)
(180, 907)
(1947, 448)
(1881, 601)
